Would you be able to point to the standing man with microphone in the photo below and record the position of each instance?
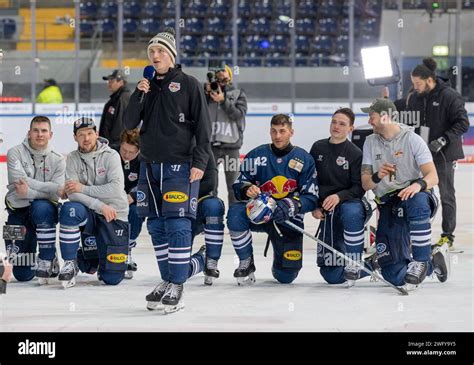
(174, 151)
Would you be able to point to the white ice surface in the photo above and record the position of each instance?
(309, 304)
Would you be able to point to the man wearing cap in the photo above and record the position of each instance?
(227, 108)
(174, 151)
(111, 122)
(98, 206)
(35, 184)
(397, 165)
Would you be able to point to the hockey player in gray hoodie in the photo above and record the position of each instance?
(35, 182)
(98, 206)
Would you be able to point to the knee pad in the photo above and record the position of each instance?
(23, 273)
(332, 274)
(237, 219)
(111, 277)
(69, 216)
(43, 212)
(179, 230)
(284, 276)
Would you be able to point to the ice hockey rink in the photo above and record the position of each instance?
(308, 304)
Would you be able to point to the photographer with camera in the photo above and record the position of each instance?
(227, 109)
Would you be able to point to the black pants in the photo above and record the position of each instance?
(230, 158)
(446, 190)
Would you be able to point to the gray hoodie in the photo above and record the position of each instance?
(43, 171)
(101, 174)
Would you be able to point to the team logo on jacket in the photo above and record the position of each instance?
(132, 176)
(398, 154)
(279, 187)
(340, 160)
(194, 204)
(45, 169)
(175, 197)
(140, 196)
(292, 255)
(174, 87)
(295, 164)
(101, 171)
(381, 247)
(117, 258)
(90, 242)
(111, 110)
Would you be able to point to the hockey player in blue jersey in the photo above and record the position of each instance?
(286, 174)
(210, 220)
(343, 211)
(397, 165)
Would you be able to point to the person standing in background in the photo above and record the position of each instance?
(111, 122)
(227, 109)
(443, 121)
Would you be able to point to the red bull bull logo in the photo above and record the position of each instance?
(279, 187)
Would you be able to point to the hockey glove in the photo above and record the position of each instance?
(436, 145)
(286, 209)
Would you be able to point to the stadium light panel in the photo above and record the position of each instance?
(379, 66)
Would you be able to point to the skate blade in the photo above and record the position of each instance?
(411, 287)
(128, 274)
(68, 283)
(350, 283)
(155, 306)
(208, 280)
(248, 280)
(168, 309)
(43, 281)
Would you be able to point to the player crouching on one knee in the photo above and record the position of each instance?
(98, 206)
(397, 165)
(35, 183)
(281, 180)
(343, 211)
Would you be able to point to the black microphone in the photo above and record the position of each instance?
(149, 74)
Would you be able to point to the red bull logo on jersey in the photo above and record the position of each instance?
(175, 197)
(279, 187)
(117, 258)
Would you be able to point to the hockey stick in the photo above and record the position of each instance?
(402, 291)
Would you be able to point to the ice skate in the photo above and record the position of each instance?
(173, 298)
(68, 274)
(210, 271)
(416, 272)
(131, 266)
(154, 298)
(440, 258)
(351, 274)
(46, 269)
(245, 272)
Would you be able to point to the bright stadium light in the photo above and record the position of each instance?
(379, 66)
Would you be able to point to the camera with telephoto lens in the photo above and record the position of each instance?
(213, 67)
(211, 78)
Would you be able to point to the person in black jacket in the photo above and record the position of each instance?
(174, 152)
(443, 121)
(111, 122)
(342, 211)
(129, 150)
